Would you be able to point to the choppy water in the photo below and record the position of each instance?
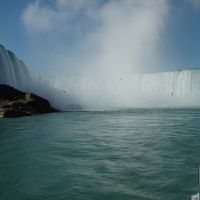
(141, 154)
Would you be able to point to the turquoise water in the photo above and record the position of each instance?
(139, 154)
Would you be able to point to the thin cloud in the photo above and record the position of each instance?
(195, 4)
(38, 17)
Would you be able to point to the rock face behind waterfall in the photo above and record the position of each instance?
(13, 71)
(15, 103)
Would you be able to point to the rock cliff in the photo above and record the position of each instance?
(15, 103)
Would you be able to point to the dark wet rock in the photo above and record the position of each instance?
(15, 103)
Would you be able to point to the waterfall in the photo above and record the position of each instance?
(182, 83)
(174, 88)
(13, 71)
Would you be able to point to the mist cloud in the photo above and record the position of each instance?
(38, 16)
(122, 38)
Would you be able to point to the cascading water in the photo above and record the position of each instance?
(176, 88)
(181, 83)
(13, 71)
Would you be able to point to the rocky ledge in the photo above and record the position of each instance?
(15, 103)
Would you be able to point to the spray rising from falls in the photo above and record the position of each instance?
(164, 89)
(176, 88)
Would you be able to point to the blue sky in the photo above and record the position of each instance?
(12, 33)
(52, 34)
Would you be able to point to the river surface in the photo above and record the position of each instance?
(137, 154)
